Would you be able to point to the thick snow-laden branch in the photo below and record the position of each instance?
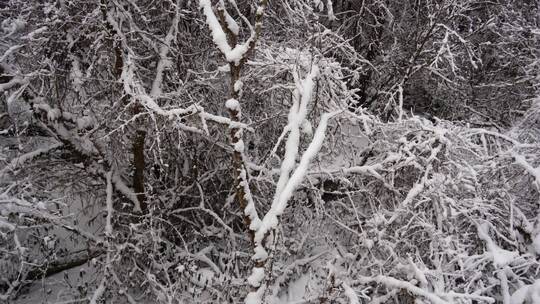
(98, 292)
(236, 56)
(535, 172)
(10, 51)
(20, 205)
(499, 256)
(297, 115)
(373, 168)
(232, 25)
(137, 92)
(237, 53)
(287, 182)
(163, 60)
(270, 219)
(121, 187)
(218, 35)
(53, 114)
(220, 38)
(20, 160)
(17, 80)
(69, 137)
(82, 144)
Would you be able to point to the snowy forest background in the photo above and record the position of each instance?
(270, 151)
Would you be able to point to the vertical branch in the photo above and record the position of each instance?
(140, 135)
(225, 36)
(98, 293)
(288, 181)
(109, 203)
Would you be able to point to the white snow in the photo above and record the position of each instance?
(224, 68)
(76, 74)
(260, 253)
(250, 211)
(99, 292)
(270, 220)
(255, 297)
(413, 193)
(307, 128)
(218, 35)
(239, 146)
(256, 277)
(349, 293)
(318, 4)
(526, 294)
(296, 290)
(11, 26)
(41, 205)
(520, 295)
(395, 283)
(500, 257)
(330, 9)
(536, 243)
(232, 105)
(287, 182)
(126, 191)
(231, 23)
(204, 276)
(164, 62)
(238, 85)
(19, 161)
(535, 172)
(35, 32)
(49, 242)
(17, 80)
(85, 122)
(8, 52)
(52, 113)
(220, 38)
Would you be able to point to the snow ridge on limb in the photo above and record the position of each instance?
(297, 115)
(85, 147)
(535, 172)
(134, 89)
(220, 38)
(236, 54)
(19, 161)
(270, 220)
(218, 35)
(163, 60)
(287, 182)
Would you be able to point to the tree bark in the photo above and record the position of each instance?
(139, 164)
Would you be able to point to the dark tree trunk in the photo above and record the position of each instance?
(139, 164)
